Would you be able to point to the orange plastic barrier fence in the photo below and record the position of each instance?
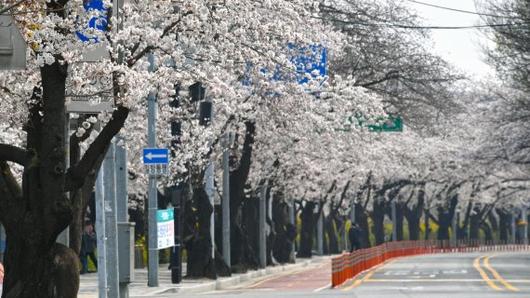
(349, 265)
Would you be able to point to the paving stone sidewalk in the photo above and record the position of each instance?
(139, 288)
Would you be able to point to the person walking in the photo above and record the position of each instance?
(88, 247)
(355, 237)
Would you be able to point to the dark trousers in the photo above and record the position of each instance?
(84, 261)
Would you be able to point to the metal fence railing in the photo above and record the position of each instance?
(348, 265)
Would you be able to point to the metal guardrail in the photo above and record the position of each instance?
(349, 265)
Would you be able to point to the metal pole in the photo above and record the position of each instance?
(454, 228)
(121, 181)
(524, 227)
(111, 222)
(261, 227)
(210, 191)
(226, 201)
(101, 238)
(320, 232)
(152, 107)
(394, 220)
(292, 220)
(122, 199)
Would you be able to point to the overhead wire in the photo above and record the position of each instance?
(461, 10)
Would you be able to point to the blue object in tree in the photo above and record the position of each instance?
(97, 22)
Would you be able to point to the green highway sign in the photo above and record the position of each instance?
(383, 124)
(390, 124)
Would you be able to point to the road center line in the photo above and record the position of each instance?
(485, 277)
(498, 276)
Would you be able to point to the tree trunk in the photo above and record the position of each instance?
(285, 232)
(199, 247)
(504, 225)
(445, 218)
(362, 219)
(36, 269)
(243, 234)
(474, 224)
(487, 231)
(308, 226)
(378, 217)
(399, 221)
(413, 217)
(443, 224)
(331, 231)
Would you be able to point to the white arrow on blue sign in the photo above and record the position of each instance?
(153, 156)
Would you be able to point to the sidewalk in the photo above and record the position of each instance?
(89, 282)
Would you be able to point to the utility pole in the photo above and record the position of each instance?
(125, 229)
(101, 237)
(176, 195)
(454, 228)
(320, 231)
(262, 239)
(524, 224)
(210, 191)
(226, 199)
(292, 220)
(111, 222)
(197, 92)
(394, 219)
(152, 108)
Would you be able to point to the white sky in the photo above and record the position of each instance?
(462, 48)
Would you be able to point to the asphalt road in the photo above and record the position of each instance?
(460, 275)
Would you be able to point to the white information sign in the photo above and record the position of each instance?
(166, 228)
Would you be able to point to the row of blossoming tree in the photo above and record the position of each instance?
(310, 145)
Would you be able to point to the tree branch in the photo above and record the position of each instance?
(13, 154)
(75, 177)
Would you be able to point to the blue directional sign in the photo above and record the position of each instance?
(156, 156)
(311, 63)
(97, 22)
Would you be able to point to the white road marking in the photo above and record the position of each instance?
(328, 286)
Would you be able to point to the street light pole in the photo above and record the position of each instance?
(152, 107)
(394, 219)
(111, 222)
(226, 200)
(262, 240)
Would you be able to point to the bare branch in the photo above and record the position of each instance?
(13, 154)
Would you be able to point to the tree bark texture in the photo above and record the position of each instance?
(378, 217)
(285, 232)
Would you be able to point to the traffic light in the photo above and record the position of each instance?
(176, 133)
(174, 102)
(205, 113)
(197, 92)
